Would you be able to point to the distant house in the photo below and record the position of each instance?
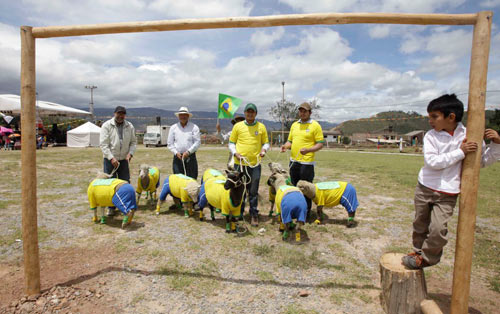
(332, 136)
(414, 137)
(386, 135)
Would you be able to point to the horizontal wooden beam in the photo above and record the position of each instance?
(256, 21)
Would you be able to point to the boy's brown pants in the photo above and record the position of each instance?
(433, 210)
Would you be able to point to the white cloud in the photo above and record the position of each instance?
(262, 40)
(207, 8)
(379, 31)
(421, 6)
(490, 3)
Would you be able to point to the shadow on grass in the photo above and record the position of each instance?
(165, 271)
(117, 223)
(444, 302)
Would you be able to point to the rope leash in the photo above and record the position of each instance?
(114, 170)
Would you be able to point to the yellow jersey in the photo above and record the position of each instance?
(101, 191)
(219, 197)
(281, 192)
(249, 139)
(329, 194)
(304, 135)
(154, 177)
(178, 183)
(212, 173)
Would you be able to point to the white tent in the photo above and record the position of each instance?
(11, 105)
(83, 136)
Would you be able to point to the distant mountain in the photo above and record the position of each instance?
(401, 122)
(206, 120)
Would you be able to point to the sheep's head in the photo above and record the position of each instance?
(276, 168)
(307, 188)
(102, 175)
(144, 170)
(234, 179)
(192, 189)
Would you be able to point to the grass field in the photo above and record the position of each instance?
(175, 264)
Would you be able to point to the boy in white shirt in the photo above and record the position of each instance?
(445, 146)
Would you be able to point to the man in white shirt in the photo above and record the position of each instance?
(183, 142)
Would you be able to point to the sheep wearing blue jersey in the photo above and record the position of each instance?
(290, 202)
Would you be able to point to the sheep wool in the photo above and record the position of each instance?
(154, 181)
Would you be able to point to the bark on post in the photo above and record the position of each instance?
(28, 163)
(471, 163)
(402, 289)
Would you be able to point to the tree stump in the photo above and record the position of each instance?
(402, 289)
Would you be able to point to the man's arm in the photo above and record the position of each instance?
(105, 142)
(171, 140)
(133, 143)
(491, 153)
(197, 140)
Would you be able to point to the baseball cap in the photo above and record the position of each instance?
(305, 106)
(251, 106)
(121, 109)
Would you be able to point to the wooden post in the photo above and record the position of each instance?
(471, 164)
(28, 163)
(402, 289)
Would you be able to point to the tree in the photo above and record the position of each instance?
(494, 122)
(289, 112)
(346, 140)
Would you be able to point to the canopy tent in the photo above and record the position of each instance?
(84, 136)
(11, 105)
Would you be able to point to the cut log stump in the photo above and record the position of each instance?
(402, 289)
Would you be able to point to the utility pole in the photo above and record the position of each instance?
(282, 113)
(91, 87)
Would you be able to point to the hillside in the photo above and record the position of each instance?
(401, 122)
(206, 120)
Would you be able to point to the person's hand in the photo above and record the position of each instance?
(185, 155)
(492, 135)
(114, 162)
(129, 157)
(304, 151)
(283, 148)
(262, 153)
(468, 147)
(238, 156)
(178, 155)
(217, 126)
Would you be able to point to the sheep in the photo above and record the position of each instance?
(290, 202)
(210, 173)
(329, 194)
(183, 189)
(104, 191)
(149, 180)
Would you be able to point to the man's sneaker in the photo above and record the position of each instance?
(255, 221)
(414, 261)
(111, 212)
(413, 254)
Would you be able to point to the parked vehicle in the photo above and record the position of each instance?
(156, 135)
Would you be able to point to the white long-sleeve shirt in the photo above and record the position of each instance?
(443, 159)
(183, 139)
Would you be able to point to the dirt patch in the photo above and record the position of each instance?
(70, 282)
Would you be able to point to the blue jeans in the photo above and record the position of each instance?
(252, 187)
(123, 171)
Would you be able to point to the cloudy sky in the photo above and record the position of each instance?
(352, 71)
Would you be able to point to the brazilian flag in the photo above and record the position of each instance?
(228, 106)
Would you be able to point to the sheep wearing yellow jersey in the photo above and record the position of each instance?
(330, 194)
(184, 191)
(148, 181)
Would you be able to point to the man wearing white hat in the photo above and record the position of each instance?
(183, 142)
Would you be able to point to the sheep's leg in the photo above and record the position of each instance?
(233, 224)
(212, 212)
(271, 210)
(282, 226)
(350, 220)
(286, 232)
(158, 205)
(138, 197)
(101, 210)
(228, 224)
(319, 220)
(94, 217)
(201, 214)
(297, 232)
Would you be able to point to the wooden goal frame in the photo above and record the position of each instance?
(476, 114)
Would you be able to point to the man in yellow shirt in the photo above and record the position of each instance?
(305, 138)
(249, 144)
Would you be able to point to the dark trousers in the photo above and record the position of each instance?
(299, 172)
(252, 188)
(123, 171)
(190, 163)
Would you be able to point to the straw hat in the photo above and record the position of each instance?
(183, 110)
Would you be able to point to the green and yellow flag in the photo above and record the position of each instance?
(228, 106)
